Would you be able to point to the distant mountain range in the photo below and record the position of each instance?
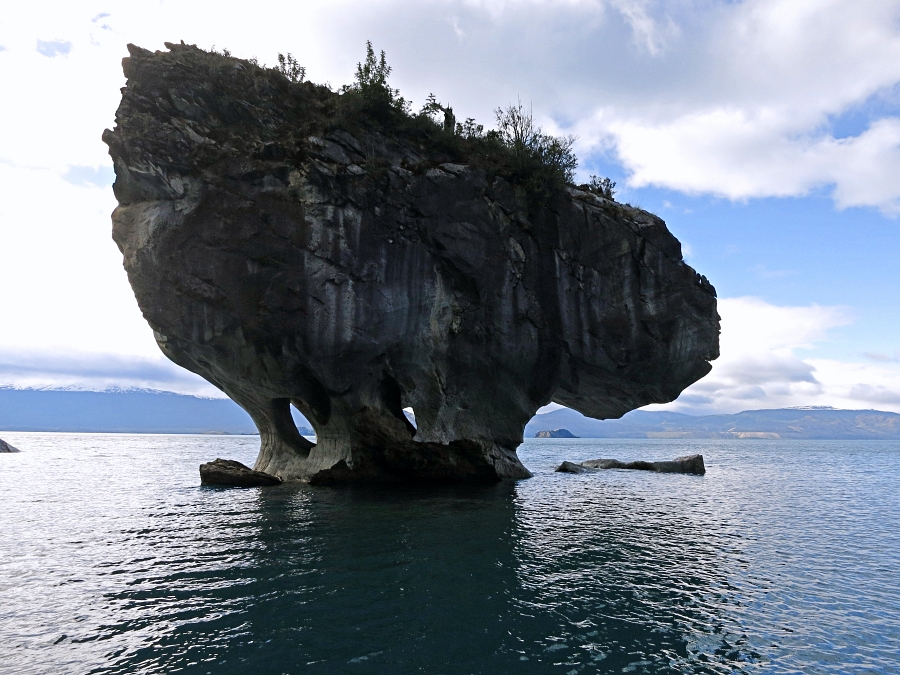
(148, 411)
(809, 423)
(127, 411)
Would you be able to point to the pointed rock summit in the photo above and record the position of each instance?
(294, 247)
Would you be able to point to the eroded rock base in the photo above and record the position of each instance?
(395, 462)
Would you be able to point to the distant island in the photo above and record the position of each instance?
(555, 433)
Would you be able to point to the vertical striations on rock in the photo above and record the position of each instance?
(290, 255)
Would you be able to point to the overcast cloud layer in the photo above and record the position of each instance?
(738, 99)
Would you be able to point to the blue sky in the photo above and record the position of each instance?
(765, 132)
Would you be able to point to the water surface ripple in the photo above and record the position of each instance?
(782, 559)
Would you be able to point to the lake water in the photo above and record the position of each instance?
(782, 559)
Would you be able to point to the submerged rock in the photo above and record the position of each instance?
(555, 433)
(687, 464)
(572, 467)
(6, 447)
(235, 474)
(291, 254)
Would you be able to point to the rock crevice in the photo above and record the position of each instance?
(294, 259)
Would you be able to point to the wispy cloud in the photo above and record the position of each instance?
(54, 48)
(765, 273)
(882, 358)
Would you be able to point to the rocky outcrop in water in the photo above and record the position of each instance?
(290, 253)
(687, 464)
(6, 447)
(555, 433)
(234, 474)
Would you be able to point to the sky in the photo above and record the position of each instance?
(766, 133)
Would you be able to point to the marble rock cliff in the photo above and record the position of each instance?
(290, 256)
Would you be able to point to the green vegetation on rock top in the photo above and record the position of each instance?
(517, 149)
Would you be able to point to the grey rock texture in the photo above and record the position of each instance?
(687, 464)
(291, 258)
(231, 473)
(573, 467)
(6, 447)
(555, 433)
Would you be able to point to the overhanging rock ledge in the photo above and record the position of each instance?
(292, 257)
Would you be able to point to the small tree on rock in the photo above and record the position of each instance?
(371, 83)
(290, 68)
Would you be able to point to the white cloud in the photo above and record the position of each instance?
(725, 152)
(762, 364)
(649, 32)
(754, 120)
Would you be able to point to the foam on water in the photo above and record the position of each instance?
(782, 559)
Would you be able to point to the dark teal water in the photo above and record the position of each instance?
(782, 559)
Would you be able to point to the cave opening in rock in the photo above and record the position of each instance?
(304, 426)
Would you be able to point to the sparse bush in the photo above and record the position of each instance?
(601, 186)
(532, 149)
(290, 68)
(469, 129)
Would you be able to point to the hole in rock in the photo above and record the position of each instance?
(410, 415)
(303, 425)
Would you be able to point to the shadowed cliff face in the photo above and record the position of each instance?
(291, 258)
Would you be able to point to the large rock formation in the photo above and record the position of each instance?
(289, 255)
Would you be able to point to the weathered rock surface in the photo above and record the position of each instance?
(232, 473)
(6, 447)
(687, 464)
(572, 467)
(555, 433)
(288, 260)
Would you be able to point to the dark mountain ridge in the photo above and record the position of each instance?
(141, 411)
(150, 411)
(798, 423)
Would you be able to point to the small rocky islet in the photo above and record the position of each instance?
(294, 245)
(692, 464)
(555, 433)
(228, 472)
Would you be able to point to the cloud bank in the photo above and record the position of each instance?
(768, 361)
(96, 371)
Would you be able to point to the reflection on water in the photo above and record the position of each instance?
(781, 559)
